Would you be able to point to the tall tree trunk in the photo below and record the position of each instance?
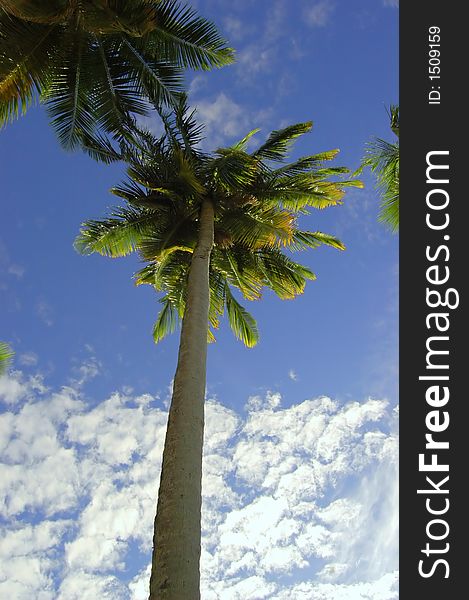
(176, 542)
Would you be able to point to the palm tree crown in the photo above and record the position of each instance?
(257, 199)
(95, 62)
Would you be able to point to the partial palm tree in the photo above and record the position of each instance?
(209, 227)
(5, 357)
(383, 159)
(95, 62)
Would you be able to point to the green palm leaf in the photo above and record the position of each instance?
(313, 239)
(241, 322)
(25, 57)
(6, 355)
(278, 143)
(117, 236)
(166, 322)
(241, 145)
(187, 39)
(382, 158)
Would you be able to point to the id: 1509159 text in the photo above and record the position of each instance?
(434, 68)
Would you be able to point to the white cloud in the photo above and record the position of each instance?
(15, 387)
(394, 3)
(198, 83)
(45, 312)
(236, 27)
(319, 13)
(80, 585)
(88, 370)
(225, 121)
(285, 489)
(12, 389)
(254, 59)
(27, 558)
(28, 359)
(292, 374)
(16, 270)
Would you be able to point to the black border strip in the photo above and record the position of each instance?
(433, 270)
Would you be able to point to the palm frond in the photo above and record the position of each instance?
(166, 321)
(241, 322)
(278, 143)
(187, 39)
(136, 18)
(26, 52)
(217, 283)
(284, 276)
(242, 143)
(257, 228)
(382, 158)
(100, 148)
(38, 11)
(306, 163)
(232, 170)
(116, 236)
(389, 211)
(6, 355)
(112, 98)
(67, 95)
(233, 263)
(313, 239)
(182, 129)
(154, 78)
(186, 176)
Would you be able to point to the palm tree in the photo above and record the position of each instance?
(5, 357)
(95, 62)
(206, 226)
(383, 159)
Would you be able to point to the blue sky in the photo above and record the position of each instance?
(301, 429)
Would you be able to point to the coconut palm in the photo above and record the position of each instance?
(383, 159)
(95, 62)
(209, 227)
(5, 357)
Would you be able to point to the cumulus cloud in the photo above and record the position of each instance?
(286, 490)
(225, 121)
(89, 369)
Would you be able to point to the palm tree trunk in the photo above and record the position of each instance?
(176, 542)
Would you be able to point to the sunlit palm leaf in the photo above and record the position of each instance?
(306, 163)
(166, 322)
(186, 38)
(117, 236)
(26, 51)
(6, 355)
(241, 322)
(383, 159)
(313, 239)
(242, 144)
(278, 143)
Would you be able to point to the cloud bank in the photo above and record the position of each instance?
(299, 501)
